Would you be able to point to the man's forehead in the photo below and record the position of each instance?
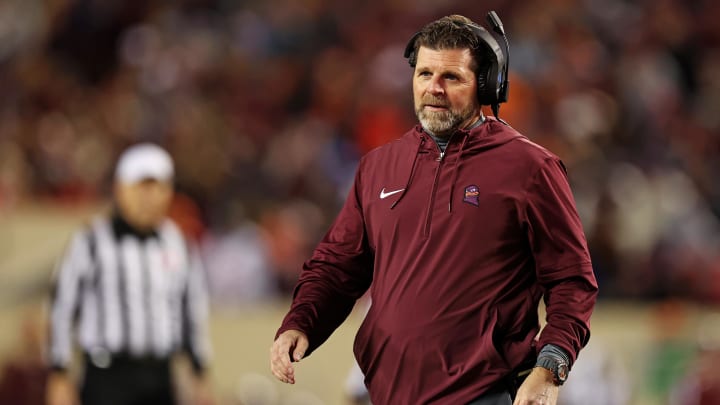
(457, 57)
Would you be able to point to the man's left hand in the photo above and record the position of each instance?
(538, 389)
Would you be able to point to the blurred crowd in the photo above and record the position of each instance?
(268, 105)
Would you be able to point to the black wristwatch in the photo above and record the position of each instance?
(556, 365)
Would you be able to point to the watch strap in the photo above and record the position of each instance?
(555, 364)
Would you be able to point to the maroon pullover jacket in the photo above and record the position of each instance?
(459, 248)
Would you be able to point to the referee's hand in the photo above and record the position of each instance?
(61, 390)
(290, 343)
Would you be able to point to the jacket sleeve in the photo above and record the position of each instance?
(195, 310)
(562, 259)
(337, 274)
(67, 281)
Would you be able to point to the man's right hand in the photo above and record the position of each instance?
(61, 390)
(290, 343)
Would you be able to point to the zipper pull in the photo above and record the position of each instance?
(442, 155)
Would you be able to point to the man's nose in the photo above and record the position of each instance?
(435, 86)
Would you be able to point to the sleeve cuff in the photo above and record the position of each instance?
(553, 350)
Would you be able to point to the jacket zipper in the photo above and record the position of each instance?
(428, 218)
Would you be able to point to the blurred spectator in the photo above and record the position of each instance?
(598, 379)
(701, 384)
(289, 231)
(673, 351)
(239, 268)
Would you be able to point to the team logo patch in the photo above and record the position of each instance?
(471, 195)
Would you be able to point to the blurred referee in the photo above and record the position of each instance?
(131, 294)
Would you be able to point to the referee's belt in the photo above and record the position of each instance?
(102, 358)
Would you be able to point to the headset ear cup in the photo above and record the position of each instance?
(483, 84)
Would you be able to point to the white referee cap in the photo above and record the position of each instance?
(144, 161)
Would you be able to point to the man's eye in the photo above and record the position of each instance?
(425, 74)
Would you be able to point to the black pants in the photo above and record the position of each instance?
(128, 381)
(498, 398)
(505, 394)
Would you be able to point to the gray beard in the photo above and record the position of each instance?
(439, 123)
(442, 123)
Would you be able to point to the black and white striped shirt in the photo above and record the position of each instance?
(118, 292)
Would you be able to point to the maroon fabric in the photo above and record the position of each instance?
(458, 262)
(23, 383)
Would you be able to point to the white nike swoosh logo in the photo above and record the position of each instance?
(383, 194)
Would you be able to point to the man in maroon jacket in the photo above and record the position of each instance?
(458, 228)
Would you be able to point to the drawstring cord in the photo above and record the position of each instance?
(412, 172)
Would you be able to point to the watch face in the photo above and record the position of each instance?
(562, 372)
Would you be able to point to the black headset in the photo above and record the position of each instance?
(492, 80)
